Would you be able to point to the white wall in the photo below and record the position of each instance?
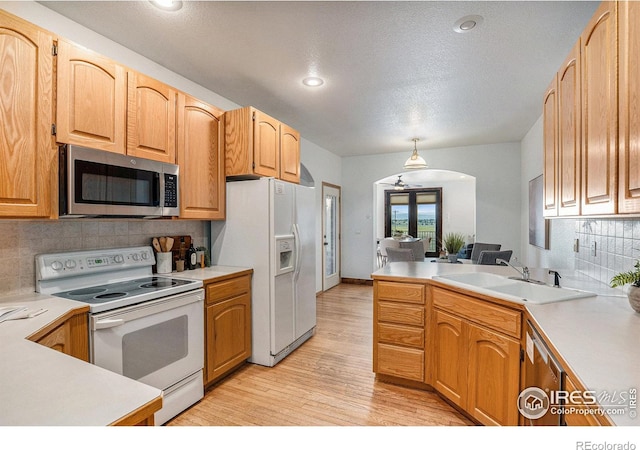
(326, 167)
(496, 168)
(561, 231)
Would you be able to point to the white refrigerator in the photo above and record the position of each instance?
(270, 227)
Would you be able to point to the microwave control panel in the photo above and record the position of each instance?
(170, 191)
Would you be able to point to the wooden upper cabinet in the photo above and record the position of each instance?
(266, 145)
(629, 110)
(550, 149)
(201, 160)
(151, 118)
(569, 150)
(92, 99)
(599, 112)
(27, 152)
(289, 154)
(258, 145)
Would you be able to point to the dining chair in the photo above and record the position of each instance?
(488, 257)
(385, 244)
(417, 247)
(399, 254)
(479, 247)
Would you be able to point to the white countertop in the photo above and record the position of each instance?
(40, 386)
(597, 337)
(209, 273)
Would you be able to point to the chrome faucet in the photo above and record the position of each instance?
(525, 270)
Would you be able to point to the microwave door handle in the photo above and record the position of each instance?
(108, 323)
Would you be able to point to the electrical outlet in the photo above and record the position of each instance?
(593, 248)
(576, 245)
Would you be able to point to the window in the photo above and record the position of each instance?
(416, 212)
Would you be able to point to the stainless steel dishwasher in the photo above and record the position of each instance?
(544, 378)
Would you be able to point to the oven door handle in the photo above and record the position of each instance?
(108, 323)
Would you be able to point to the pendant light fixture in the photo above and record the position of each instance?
(415, 161)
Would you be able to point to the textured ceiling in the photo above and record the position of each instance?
(393, 70)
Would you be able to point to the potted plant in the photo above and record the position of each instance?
(631, 277)
(453, 243)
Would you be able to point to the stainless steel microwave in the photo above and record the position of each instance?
(97, 183)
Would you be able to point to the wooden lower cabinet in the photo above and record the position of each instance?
(494, 377)
(399, 330)
(69, 334)
(578, 412)
(466, 348)
(476, 355)
(227, 325)
(476, 368)
(450, 357)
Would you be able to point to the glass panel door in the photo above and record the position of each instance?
(331, 236)
(415, 213)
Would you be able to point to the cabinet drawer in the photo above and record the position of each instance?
(222, 290)
(400, 313)
(400, 362)
(402, 335)
(501, 319)
(401, 292)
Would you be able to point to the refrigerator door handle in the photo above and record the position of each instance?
(296, 237)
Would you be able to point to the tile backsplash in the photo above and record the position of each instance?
(607, 246)
(20, 241)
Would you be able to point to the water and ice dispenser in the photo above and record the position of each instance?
(285, 254)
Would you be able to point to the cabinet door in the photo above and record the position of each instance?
(151, 118)
(92, 99)
(201, 160)
(450, 357)
(629, 114)
(289, 154)
(569, 111)
(70, 336)
(494, 377)
(575, 415)
(599, 112)
(29, 158)
(228, 335)
(550, 149)
(266, 145)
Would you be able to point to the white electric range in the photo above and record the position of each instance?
(144, 326)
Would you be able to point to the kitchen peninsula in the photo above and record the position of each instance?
(470, 347)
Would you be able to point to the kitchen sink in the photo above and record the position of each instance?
(478, 279)
(513, 290)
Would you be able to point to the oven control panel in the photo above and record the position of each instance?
(86, 262)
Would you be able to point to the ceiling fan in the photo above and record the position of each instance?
(399, 184)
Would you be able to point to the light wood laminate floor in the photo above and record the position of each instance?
(327, 381)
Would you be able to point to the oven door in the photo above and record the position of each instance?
(159, 342)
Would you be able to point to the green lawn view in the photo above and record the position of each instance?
(426, 222)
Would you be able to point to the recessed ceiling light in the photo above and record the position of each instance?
(313, 81)
(467, 23)
(167, 5)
